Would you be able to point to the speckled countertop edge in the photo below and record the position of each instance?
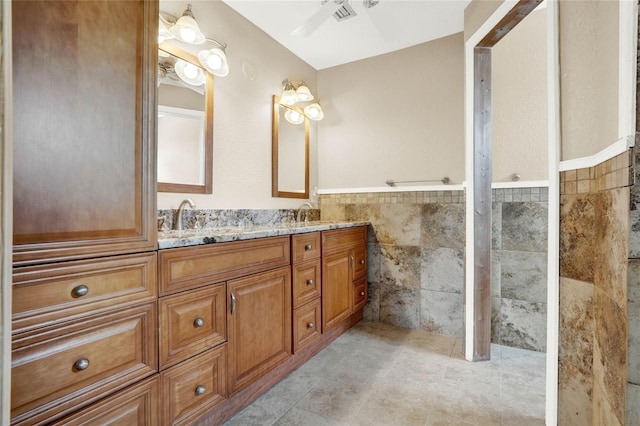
(194, 237)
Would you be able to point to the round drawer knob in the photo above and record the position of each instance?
(310, 282)
(81, 364)
(200, 390)
(199, 322)
(308, 247)
(362, 293)
(310, 325)
(80, 291)
(362, 261)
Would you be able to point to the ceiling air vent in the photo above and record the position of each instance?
(345, 12)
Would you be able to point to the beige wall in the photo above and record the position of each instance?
(242, 111)
(395, 116)
(589, 34)
(519, 101)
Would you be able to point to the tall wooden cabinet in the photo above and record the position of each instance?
(84, 78)
(84, 317)
(344, 274)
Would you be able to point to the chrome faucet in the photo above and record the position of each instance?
(306, 216)
(178, 225)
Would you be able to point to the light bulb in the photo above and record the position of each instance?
(313, 112)
(295, 115)
(214, 62)
(188, 35)
(190, 71)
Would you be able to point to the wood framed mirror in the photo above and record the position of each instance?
(185, 124)
(290, 151)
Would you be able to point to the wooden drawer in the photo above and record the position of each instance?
(191, 323)
(342, 239)
(306, 325)
(194, 387)
(306, 282)
(359, 263)
(48, 375)
(305, 247)
(46, 294)
(136, 405)
(185, 268)
(360, 294)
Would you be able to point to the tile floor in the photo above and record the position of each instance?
(377, 374)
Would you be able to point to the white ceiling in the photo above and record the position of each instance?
(389, 25)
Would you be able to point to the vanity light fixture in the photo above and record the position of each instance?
(292, 95)
(186, 30)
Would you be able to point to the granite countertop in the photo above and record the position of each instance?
(194, 237)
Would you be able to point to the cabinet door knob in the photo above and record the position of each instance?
(310, 282)
(310, 325)
(199, 322)
(81, 364)
(362, 293)
(80, 291)
(362, 261)
(200, 390)
(308, 247)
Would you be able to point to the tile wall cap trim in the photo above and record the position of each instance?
(520, 184)
(390, 189)
(608, 153)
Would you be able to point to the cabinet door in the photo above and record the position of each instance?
(336, 288)
(84, 76)
(259, 325)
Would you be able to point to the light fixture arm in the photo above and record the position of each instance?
(222, 46)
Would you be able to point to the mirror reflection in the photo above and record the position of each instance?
(185, 123)
(290, 156)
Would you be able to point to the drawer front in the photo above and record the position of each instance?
(360, 294)
(305, 247)
(59, 369)
(45, 294)
(185, 268)
(194, 387)
(359, 263)
(344, 239)
(306, 325)
(191, 323)
(306, 282)
(135, 405)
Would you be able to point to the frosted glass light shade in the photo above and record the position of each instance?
(215, 61)
(293, 117)
(186, 29)
(304, 94)
(314, 111)
(189, 73)
(163, 31)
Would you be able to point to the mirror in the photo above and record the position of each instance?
(185, 123)
(290, 151)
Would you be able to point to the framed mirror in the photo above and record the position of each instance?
(185, 123)
(290, 151)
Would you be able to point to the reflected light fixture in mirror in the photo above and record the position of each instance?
(292, 95)
(187, 30)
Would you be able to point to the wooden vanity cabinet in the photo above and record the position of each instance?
(259, 325)
(84, 320)
(344, 271)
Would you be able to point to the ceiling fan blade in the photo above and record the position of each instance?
(318, 18)
(384, 23)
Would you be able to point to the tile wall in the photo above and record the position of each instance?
(416, 264)
(594, 247)
(633, 384)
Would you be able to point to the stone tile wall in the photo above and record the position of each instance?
(416, 259)
(594, 247)
(633, 374)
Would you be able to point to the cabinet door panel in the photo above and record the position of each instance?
(360, 294)
(306, 282)
(306, 325)
(84, 128)
(336, 289)
(259, 325)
